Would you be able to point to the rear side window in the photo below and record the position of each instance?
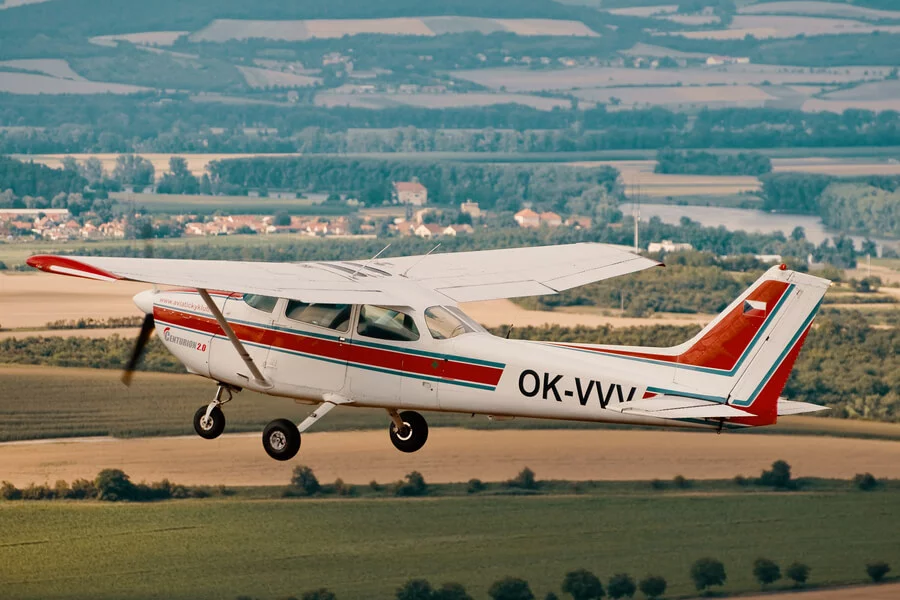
(259, 302)
(387, 324)
(330, 316)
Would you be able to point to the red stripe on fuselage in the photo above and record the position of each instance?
(722, 346)
(396, 360)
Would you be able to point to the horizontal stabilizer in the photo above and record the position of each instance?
(793, 407)
(677, 407)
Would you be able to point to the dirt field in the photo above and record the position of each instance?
(27, 83)
(889, 591)
(819, 8)
(452, 455)
(386, 100)
(33, 300)
(265, 78)
(780, 26)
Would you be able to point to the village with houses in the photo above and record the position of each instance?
(409, 214)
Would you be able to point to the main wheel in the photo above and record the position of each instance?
(209, 427)
(412, 435)
(281, 439)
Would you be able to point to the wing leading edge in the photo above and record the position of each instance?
(459, 277)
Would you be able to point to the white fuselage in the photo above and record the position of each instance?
(475, 372)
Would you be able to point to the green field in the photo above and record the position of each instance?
(50, 402)
(362, 548)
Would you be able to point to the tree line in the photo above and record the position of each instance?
(670, 161)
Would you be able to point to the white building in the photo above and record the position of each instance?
(668, 246)
(410, 192)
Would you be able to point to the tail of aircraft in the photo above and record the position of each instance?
(743, 358)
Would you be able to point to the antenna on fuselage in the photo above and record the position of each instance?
(403, 274)
(366, 264)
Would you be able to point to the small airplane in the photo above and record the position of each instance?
(388, 333)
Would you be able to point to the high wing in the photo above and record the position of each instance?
(459, 277)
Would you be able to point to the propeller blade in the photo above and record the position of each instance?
(142, 339)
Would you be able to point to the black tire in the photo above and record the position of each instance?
(281, 439)
(415, 438)
(211, 429)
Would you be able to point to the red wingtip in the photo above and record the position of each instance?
(62, 265)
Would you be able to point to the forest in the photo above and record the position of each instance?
(706, 163)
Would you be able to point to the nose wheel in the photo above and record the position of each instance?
(281, 439)
(408, 431)
(209, 426)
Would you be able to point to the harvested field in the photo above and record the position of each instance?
(823, 9)
(876, 96)
(771, 26)
(642, 49)
(645, 11)
(387, 100)
(516, 79)
(837, 167)
(453, 455)
(221, 30)
(27, 83)
(54, 67)
(264, 78)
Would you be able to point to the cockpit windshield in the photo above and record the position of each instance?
(445, 322)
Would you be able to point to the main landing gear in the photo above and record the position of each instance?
(281, 438)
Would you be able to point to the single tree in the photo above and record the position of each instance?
(525, 480)
(653, 586)
(114, 485)
(510, 588)
(877, 570)
(707, 572)
(798, 573)
(621, 585)
(305, 480)
(581, 584)
(779, 476)
(415, 589)
(766, 571)
(451, 591)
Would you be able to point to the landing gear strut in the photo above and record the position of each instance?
(408, 430)
(209, 420)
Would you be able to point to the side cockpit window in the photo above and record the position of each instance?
(387, 324)
(259, 302)
(330, 316)
(443, 324)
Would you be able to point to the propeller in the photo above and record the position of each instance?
(141, 342)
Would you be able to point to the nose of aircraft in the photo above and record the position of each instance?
(144, 301)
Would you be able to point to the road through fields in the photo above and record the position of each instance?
(452, 455)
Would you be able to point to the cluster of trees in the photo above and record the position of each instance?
(34, 179)
(861, 207)
(110, 485)
(53, 125)
(369, 180)
(706, 163)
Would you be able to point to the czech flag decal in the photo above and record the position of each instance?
(754, 308)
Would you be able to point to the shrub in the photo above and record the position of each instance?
(778, 477)
(61, 489)
(82, 489)
(113, 485)
(414, 589)
(510, 588)
(877, 570)
(320, 594)
(766, 571)
(707, 572)
(414, 486)
(658, 484)
(304, 480)
(10, 492)
(474, 486)
(798, 573)
(581, 584)
(680, 482)
(621, 585)
(653, 586)
(740, 480)
(341, 488)
(375, 486)
(865, 481)
(37, 492)
(451, 591)
(524, 480)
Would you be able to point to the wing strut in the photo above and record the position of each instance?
(220, 319)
